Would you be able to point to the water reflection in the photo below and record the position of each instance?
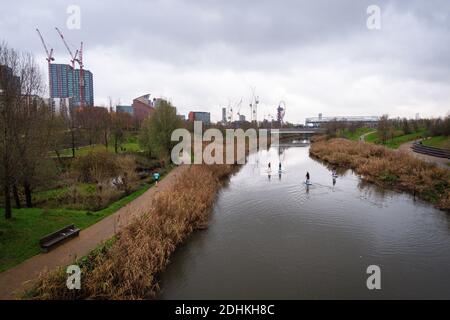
(279, 238)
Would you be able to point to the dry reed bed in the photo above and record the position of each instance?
(388, 168)
(127, 267)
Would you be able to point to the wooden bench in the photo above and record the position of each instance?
(52, 240)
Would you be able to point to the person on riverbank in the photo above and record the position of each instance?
(156, 177)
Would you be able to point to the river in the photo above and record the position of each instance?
(274, 238)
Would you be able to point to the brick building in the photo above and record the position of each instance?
(142, 107)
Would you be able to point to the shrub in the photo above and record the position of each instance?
(96, 166)
(128, 268)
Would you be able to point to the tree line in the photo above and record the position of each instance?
(388, 128)
(30, 130)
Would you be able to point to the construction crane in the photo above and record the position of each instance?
(72, 56)
(230, 112)
(254, 108)
(49, 59)
(239, 105)
(80, 62)
(77, 57)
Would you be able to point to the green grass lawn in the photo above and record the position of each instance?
(372, 137)
(442, 142)
(396, 142)
(40, 197)
(19, 236)
(131, 145)
(355, 135)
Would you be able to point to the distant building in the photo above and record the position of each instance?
(124, 109)
(182, 117)
(204, 117)
(65, 83)
(61, 81)
(321, 120)
(241, 118)
(88, 88)
(7, 78)
(60, 106)
(142, 107)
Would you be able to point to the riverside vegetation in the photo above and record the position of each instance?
(387, 168)
(127, 266)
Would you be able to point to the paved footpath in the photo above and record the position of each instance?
(441, 162)
(363, 137)
(20, 278)
(406, 147)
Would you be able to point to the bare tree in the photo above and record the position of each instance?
(9, 94)
(23, 120)
(120, 123)
(383, 129)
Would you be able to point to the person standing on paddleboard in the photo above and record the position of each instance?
(307, 177)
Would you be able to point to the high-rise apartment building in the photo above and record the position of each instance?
(61, 81)
(88, 88)
(65, 83)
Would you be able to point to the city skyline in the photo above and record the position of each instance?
(318, 58)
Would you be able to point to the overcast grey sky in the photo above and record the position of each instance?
(317, 56)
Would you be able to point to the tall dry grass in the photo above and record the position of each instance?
(388, 168)
(128, 267)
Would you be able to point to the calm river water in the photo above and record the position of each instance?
(273, 238)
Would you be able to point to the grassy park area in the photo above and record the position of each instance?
(398, 139)
(19, 236)
(53, 193)
(356, 134)
(130, 146)
(442, 142)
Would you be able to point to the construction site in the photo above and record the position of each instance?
(234, 114)
(70, 85)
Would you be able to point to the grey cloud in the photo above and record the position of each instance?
(256, 40)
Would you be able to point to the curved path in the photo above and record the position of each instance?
(406, 147)
(19, 278)
(363, 137)
(441, 162)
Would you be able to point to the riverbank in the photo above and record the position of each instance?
(16, 280)
(441, 162)
(388, 168)
(128, 265)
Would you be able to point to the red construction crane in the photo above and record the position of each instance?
(80, 62)
(49, 59)
(74, 57)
